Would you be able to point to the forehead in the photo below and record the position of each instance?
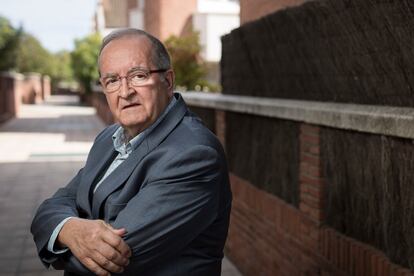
(126, 51)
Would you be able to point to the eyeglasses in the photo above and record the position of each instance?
(135, 78)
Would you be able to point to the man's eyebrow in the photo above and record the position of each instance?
(110, 75)
(136, 68)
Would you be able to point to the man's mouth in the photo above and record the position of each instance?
(130, 105)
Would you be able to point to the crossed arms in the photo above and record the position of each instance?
(170, 210)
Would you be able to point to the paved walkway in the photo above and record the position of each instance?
(40, 151)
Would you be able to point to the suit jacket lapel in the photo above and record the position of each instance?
(99, 160)
(153, 139)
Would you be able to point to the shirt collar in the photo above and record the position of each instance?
(120, 139)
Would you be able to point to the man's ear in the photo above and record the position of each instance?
(169, 78)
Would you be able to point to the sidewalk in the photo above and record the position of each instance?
(41, 151)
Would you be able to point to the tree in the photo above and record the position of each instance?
(9, 43)
(23, 52)
(84, 60)
(189, 68)
(62, 67)
(32, 57)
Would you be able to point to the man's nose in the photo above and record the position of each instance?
(125, 89)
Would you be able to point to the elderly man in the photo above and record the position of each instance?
(153, 197)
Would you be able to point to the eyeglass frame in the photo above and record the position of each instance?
(127, 77)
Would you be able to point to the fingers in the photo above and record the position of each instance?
(97, 245)
(95, 268)
(120, 232)
(113, 255)
(107, 263)
(118, 243)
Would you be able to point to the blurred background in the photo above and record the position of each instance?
(312, 100)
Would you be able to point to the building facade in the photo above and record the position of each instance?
(163, 18)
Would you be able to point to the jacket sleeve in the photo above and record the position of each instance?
(50, 213)
(53, 211)
(173, 207)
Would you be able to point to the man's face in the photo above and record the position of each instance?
(135, 108)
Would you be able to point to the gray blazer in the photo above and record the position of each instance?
(172, 195)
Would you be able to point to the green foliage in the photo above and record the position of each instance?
(32, 57)
(9, 43)
(24, 53)
(62, 67)
(189, 68)
(84, 60)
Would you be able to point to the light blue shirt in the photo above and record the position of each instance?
(124, 149)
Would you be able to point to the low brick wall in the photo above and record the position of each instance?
(97, 99)
(46, 87)
(11, 87)
(267, 235)
(16, 89)
(32, 91)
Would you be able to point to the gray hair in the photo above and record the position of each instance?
(160, 57)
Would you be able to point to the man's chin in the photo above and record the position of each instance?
(133, 126)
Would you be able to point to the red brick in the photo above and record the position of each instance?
(310, 170)
(380, 265)
(337, 260)
(386, 267)
(221, 126)
(341, 259)
(314, 149)
(360, 261)
(160, 14)
(312, 129)
(310, 159)
(364, 260)
(304, 208)
(322, 241)
(311, 201)
(313, 181)
(314, 190)
(403, 272)
(373, 264)
(311, 139)
(353, 258)
(366, 253)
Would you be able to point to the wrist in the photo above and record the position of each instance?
(62, 238)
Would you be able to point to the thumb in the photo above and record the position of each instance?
(119, 232)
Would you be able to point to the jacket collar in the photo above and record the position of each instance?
(105, 153)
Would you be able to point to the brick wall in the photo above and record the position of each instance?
(98, 100)
(332, 51)
(253, 9)
(32, 91)
(11, 86)
(164, 18)
(116, 15)
(268, 236)
(46, 87)
(16, 89)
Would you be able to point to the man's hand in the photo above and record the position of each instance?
(97, 245)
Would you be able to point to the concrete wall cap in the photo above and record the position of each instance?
(383, 120)
(14, 75)
(33, 75)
